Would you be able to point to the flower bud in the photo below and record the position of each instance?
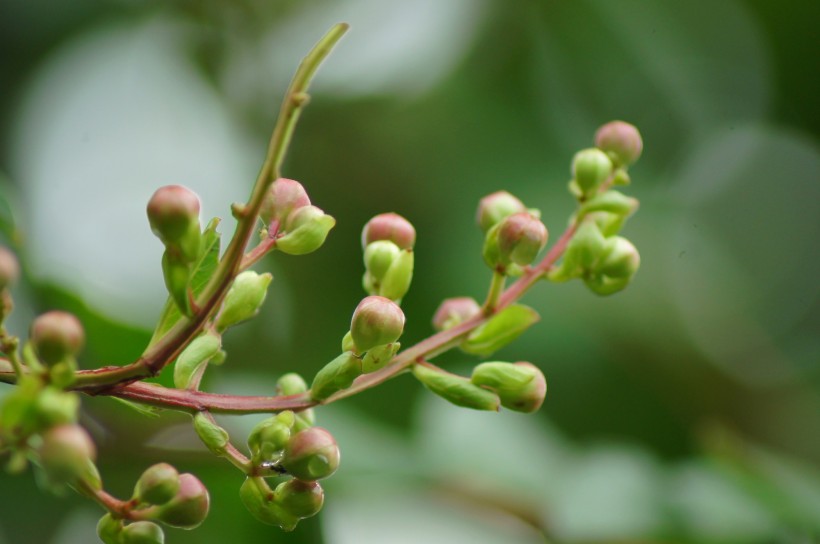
(392, 227)
(520, 386)
(397, 279)
(258, 498)
(456, 389)
(590, 167)
(173, 213)
(520, 237)
(270, 436)
(583, 252)
(376, 321)
(109, 529)
(300, 499)
(212, 435)
(142, 532)
(378, 357)
(622, 260)
(9, 268)
(57, 335)
(306, 231)
(454, 311)
(495, 207)
(244, 298)
(338, 374)
(612, 202)
(378, 256)
(66, 453)
(311, 454)
(54, 407)
(283, 197)
(177, 276)
(291, 384)
(158, 484)
(198, 353)
(189, 507)
(500, 330)
(621, 141)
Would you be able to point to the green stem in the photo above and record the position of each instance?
(231, 453)
(496, 288)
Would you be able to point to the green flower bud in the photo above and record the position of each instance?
(142, 532)
(622, 260)
(520, 386)
(378, 256)
(454, 311)
(57, 335)
(158, 484)
(456, 389)
(347, 342)
(311, 454)
(391, 227)
(376, 358)
(500, 330)
(490, 251)
(283, 197)
(610, 201)
(300, 499)
(590, 167)
(109, 529)
(291, 384)
(621, 141)
(270, 436)
(397, 279)
(66, 452)
(520, 237)
(198, 353)
(173, 213)
(306, 231)
(495, 207)
(338, 374)
(583, 252)
(376, 321)
(189, 507)
(212, 435)
(9, 268)
(177, 276)
(259, 500)
(55, 407)
(244, 298)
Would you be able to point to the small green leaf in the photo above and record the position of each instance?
(211, 434)
(500, 330)
(456, 389)
(198, 353)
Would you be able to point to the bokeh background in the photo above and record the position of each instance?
(684, 409)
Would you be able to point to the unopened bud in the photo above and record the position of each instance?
(454, 311)
(198, 353)
(495, 207)
(54, 407)
(378, 357)
(9, 268)
(500, 330)
(57, 335)
(611, 201)
(291, 384)
(173, 213)
(258, 498)
(212, 435)
(177, 276)
(397, 279)
(109, 529)
(391, 227)
(376, 321)
(311, 454)
(142, 532)
(520, 386)
(338, 374)
(244, 298)
(283, 196)
(306, 231)
(378, 256)
(456, 389)
(270, 436)
(300, 499)
(520, 237)
(189, 507)
(590, 167)
(622, 260)
(158, 484)
(621, 141)
(66, 453)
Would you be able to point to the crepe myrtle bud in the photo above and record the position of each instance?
(260, 501)
(109, 529)
(391, 227)
(299, 498)
(158, 484)
(9, 268)
(520, 386)
(291, 384)
(173, 213)
(270, 436)
(189, 507)
(306, 230)
(376, 321)
(311, 454)
(66, 452)
(378, 256)
(142, 532)
(244, 298)
(454, 311)
(57, 335)
(520, 237)
(621, 141)
(494, 207)
(590, 167)
(283, 196)
(622, 260)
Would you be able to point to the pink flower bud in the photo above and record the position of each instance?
(376, 321)
(283, 196)
(190, 505)
(66, 452)
(621, 141)
(300, 499)
(453, 311)
(171, 212)
(158, 484)
(57, 335)
(494, 207)
(520, 237)
(9, 268)
(311, 454)
(392, 227)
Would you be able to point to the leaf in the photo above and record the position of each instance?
(150, 411)
(203, 270)
(500, 330)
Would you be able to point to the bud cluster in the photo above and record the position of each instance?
(387, 241)
(513, 234)
(300, 227)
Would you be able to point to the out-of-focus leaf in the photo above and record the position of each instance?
(150, 411)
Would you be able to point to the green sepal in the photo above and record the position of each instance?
(244, 298)
(490, 251)
(604, 285)
(583, 252)
(399, 276)
(198, 353)
(379, 356)
(456, 389)
(378, 257)
(308, 235)
(520, 386)
(109, 529)
(212, 435)
(270, 436)
(338, 374)
(258, 498)
(611, 201)
(500, 330)
(347, 342)
(177, 275)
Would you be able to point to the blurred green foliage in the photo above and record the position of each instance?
(685, 409)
